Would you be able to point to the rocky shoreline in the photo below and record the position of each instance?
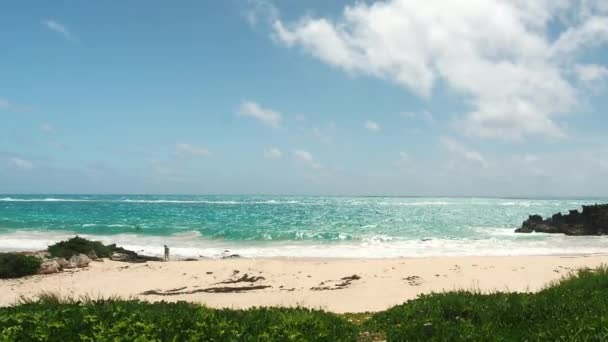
(55, 265)
(593, 220)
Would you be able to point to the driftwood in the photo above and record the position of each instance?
(177, 289)
(223, 289)
(231, 256)
(244, 279)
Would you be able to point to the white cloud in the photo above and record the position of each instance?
(185, 148)
(266, 116)
(592, 31)
(21, 164)
(372, 126)
(497, 55)
(591, 72)
(261, 10)
(273, 153)
(48, 128)
(3, 103)
(307, 158)
(461, 151)
(58, 27)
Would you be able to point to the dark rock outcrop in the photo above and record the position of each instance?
(593, 220)
(121, 254)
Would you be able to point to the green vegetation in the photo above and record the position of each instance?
(573, 309)
(13, 265)
(78, 245)
(116, 320)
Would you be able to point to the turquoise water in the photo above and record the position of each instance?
(291, 225)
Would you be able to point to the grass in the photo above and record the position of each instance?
(572, 309)
(55, 319)
(14, 265)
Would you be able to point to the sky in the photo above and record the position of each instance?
(393, 97)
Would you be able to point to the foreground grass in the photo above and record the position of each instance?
(573, 309)
(119, 320)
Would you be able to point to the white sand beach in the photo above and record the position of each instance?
(315, 283)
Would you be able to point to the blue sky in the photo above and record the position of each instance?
(493, 98)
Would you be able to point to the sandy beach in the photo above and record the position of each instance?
(338, 285)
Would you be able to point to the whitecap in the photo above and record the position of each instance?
(192, 244)
(10, 199)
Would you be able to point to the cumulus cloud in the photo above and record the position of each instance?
(21, 164)
(591, 72)
(273, 153)
(372, 126)
(266, 116)
(188, 149)
(58, 27)
(460, 151)
(307, 158)
(498, 55)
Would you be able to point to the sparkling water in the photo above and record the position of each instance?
(291, 226)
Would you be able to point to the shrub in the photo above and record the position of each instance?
(575, 308)
(14, 265)
(78, 245)
(119, 320)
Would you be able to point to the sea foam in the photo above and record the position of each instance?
(193, 244)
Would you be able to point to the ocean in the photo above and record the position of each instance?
(291, 226)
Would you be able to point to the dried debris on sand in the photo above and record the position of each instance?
(221, 289)
(244, 279)
(346, 281)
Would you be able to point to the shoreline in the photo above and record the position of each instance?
(230, 256)
(337, 285)
(193, 246)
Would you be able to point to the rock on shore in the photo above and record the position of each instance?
(593, 220)
(121, 254)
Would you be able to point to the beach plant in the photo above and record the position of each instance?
(78, 245)
(14, 265)
(572, 309)
(57, 319)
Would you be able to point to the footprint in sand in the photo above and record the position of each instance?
(414, 280)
